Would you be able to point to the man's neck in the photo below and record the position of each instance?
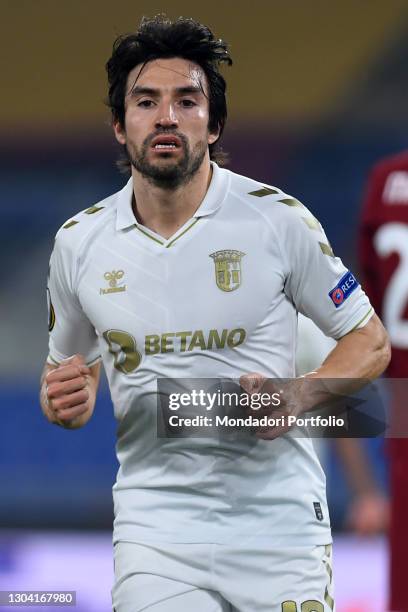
(165, 211)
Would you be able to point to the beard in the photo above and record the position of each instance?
(173, 174)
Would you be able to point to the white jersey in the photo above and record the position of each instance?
(313, 346)
(216, 300)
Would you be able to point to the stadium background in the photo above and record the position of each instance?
(317, 93)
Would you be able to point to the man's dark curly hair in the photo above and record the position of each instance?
(158, 37)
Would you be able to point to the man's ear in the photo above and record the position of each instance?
(119, 131)
(213, 136)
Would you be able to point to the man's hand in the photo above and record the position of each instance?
(68, 392)
(359, 356)
(290, 396)
(369, 514)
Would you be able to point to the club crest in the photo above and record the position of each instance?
(228, 274)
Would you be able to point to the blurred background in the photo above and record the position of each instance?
(317, 94)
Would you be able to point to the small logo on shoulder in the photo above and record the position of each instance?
(318, 511)
(344, 288)
(112, 278)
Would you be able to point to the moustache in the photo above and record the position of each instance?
(164, 132)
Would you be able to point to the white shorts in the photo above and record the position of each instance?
(222, 578)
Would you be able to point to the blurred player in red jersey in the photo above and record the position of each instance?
(384, 259)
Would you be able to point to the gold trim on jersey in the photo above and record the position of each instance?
(70, 224)
(363, 319)
(312, 223)
(265, 191)
(326, 249)
(182, 233)
(51, 358)
(328, 564)
(291, 202)
(149, 235)
(89, 211)
(171, 241)
(93, 209)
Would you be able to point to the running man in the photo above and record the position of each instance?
(192, 271)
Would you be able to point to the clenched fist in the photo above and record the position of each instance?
(290, 398)
(68, 394)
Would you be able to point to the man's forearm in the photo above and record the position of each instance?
(360, 356)
(363, 353)
(356, 466)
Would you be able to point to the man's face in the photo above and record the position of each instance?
(166, 121)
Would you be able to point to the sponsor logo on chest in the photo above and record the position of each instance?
(192, 340)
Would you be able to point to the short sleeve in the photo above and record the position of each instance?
(317, 282)
(312, 346)
(70, 331)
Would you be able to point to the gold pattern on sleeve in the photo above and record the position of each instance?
(89, 211)
(326, 249)
(312, 223)
(70, 224)
(291, 202)
(265, 191)
(93, 209)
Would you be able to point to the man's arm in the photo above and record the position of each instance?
(362, 353)
(68, 392)
(359, 356)
(368, 509)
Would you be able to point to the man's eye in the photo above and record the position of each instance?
(145, 103)
(187, 103)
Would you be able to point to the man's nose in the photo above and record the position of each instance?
(166, 117)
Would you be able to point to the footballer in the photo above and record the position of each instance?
(192, 271)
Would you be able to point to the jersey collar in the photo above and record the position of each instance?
(213, 198)
(124, 213)
(216, 192)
